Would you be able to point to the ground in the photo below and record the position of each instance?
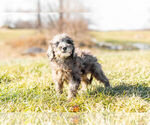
(26, 86)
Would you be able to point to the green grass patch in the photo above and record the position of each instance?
(26, 86)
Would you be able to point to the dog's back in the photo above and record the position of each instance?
(87, 61)
(91, 66)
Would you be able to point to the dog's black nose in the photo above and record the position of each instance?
(65, 48)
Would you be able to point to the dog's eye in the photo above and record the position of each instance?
(69, 41)
(57, 43)
(60, 47)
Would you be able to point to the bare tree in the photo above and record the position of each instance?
(61, 15)
(39, 23)
(67, 17)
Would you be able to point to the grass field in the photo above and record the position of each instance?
(26, 86)
(123, 37)
(9, 34)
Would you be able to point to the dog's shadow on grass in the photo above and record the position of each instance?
(141, 90)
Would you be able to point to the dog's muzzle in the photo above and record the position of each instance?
(64, 49)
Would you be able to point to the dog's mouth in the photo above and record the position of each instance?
(65, 55)
(64, 51)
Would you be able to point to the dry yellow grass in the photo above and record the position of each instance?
(9, 34)
(122, 36)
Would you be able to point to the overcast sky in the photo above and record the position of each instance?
(104, 14)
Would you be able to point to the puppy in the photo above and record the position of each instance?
(72, 67)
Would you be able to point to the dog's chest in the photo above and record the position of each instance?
(63, 68)
(64, 72)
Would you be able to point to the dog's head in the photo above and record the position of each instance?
(60, 47)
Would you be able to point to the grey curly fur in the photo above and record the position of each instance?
(72, 67)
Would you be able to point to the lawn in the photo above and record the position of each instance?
(26, 86)
(111, 36)
(9, 34)
(122, 37)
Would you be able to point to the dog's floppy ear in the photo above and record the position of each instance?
(73, 51)
(50, 52)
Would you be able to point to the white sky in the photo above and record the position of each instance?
(105, 14)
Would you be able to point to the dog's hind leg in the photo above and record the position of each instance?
(99, 74)
(86, 81)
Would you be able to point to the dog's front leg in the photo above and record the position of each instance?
(73, 86)
(59, 87)
(57, 78)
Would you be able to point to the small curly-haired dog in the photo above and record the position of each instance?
(72, 67)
